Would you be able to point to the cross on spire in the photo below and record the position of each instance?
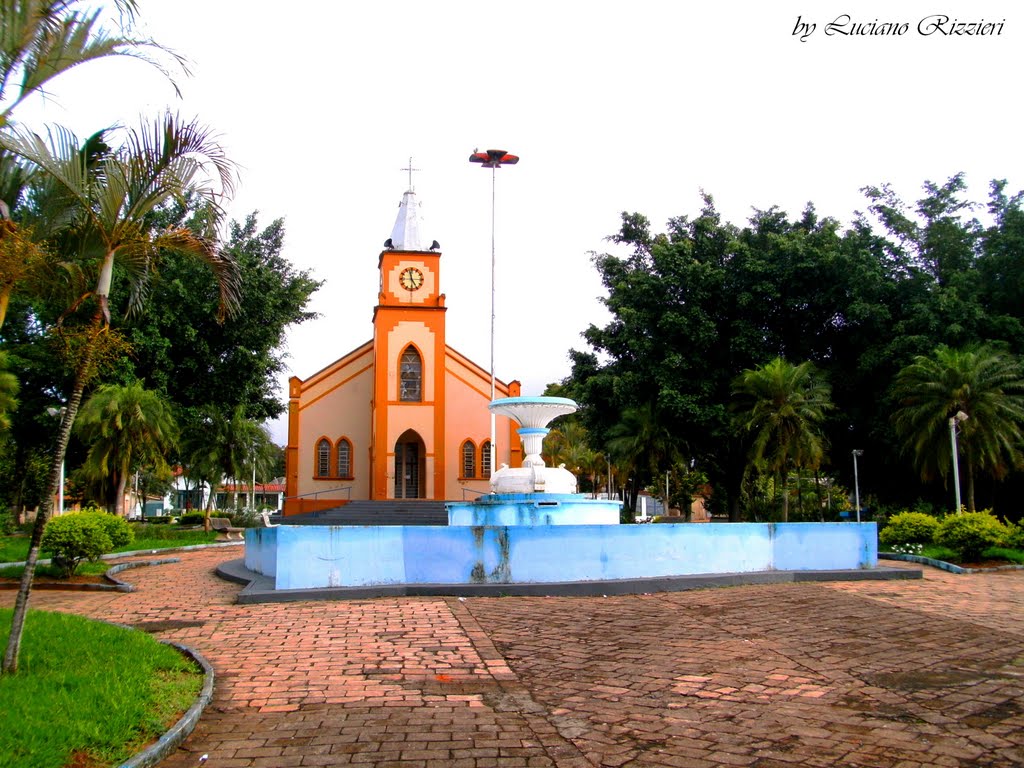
(410, 169)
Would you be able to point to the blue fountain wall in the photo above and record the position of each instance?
(307, 557)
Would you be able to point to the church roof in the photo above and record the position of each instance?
(405, 236)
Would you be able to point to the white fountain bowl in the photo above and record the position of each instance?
(533, 411)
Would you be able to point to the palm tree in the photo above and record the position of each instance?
(42, 39)
(39, 41)
(983, 383)
(220, 448)
(125, 427)
(8, 392)
(782, 407)
(643, 445)
(108, 199)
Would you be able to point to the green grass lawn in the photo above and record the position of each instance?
(14, 549)
(88, 691)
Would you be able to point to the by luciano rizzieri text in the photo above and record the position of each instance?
(938, 25)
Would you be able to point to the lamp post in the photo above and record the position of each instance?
(493, 159)
(59, 412)
(953, 421)
(856, 481)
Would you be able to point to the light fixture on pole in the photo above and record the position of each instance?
(59, 412)
(493, 159)
(953, 421)
(856, 481)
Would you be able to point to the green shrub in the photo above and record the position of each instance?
(971, 533)
(117, 528)
(909, 528)
(7, 522)
(70, 539)
(192, 518)
(1014, 536)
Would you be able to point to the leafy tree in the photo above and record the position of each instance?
(981, 382)
(126, 428)
(783, 407)
(179, 348)
(8, 392)
(106, 200)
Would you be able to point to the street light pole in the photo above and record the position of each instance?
(856, 481)
(493, 159)
(953, 421)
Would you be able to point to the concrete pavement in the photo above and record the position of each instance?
(899, 674)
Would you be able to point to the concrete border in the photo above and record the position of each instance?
(943, 565)
(260, 589)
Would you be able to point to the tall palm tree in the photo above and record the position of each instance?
(108, 200)
(986, 385)
(782, 406)
(125, 427)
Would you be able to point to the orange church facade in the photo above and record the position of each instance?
(403, 416)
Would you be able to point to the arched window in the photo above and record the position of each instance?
(468, 459)
(410, 385)
(344, 458)
(485, 460)
(323, 458)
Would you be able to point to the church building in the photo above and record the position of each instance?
(403, 416)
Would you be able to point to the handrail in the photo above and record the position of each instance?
(314, 494)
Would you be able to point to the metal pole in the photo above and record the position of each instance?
(856, 483)
(956, 462)
(494, 436)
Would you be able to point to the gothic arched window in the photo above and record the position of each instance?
(485, 460)
(323, 458)
(344, 458)
(410, 384)
(468, 459)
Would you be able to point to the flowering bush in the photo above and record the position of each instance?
(909, 528)
(908, 549)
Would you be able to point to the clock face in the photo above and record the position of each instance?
(411, 278)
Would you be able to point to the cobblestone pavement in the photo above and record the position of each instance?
(901, 674)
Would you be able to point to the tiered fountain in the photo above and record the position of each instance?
(535, 535)
(533, 494)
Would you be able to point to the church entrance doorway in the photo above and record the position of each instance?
(410, 466)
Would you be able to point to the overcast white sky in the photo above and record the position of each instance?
(612, 107)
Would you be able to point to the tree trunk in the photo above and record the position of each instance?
(10, 665)
(122, 483)
(970, 488)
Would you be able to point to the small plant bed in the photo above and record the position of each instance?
(993, 557)
(87, 573)
(14, 549)
(89, 693)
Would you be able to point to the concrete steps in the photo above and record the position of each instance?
(390, 512)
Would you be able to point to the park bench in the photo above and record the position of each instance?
(225, 531)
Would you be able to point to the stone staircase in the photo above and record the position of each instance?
(390, 512)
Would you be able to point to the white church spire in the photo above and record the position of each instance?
(405, 236)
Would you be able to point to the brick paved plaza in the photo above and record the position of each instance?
(897, 674)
